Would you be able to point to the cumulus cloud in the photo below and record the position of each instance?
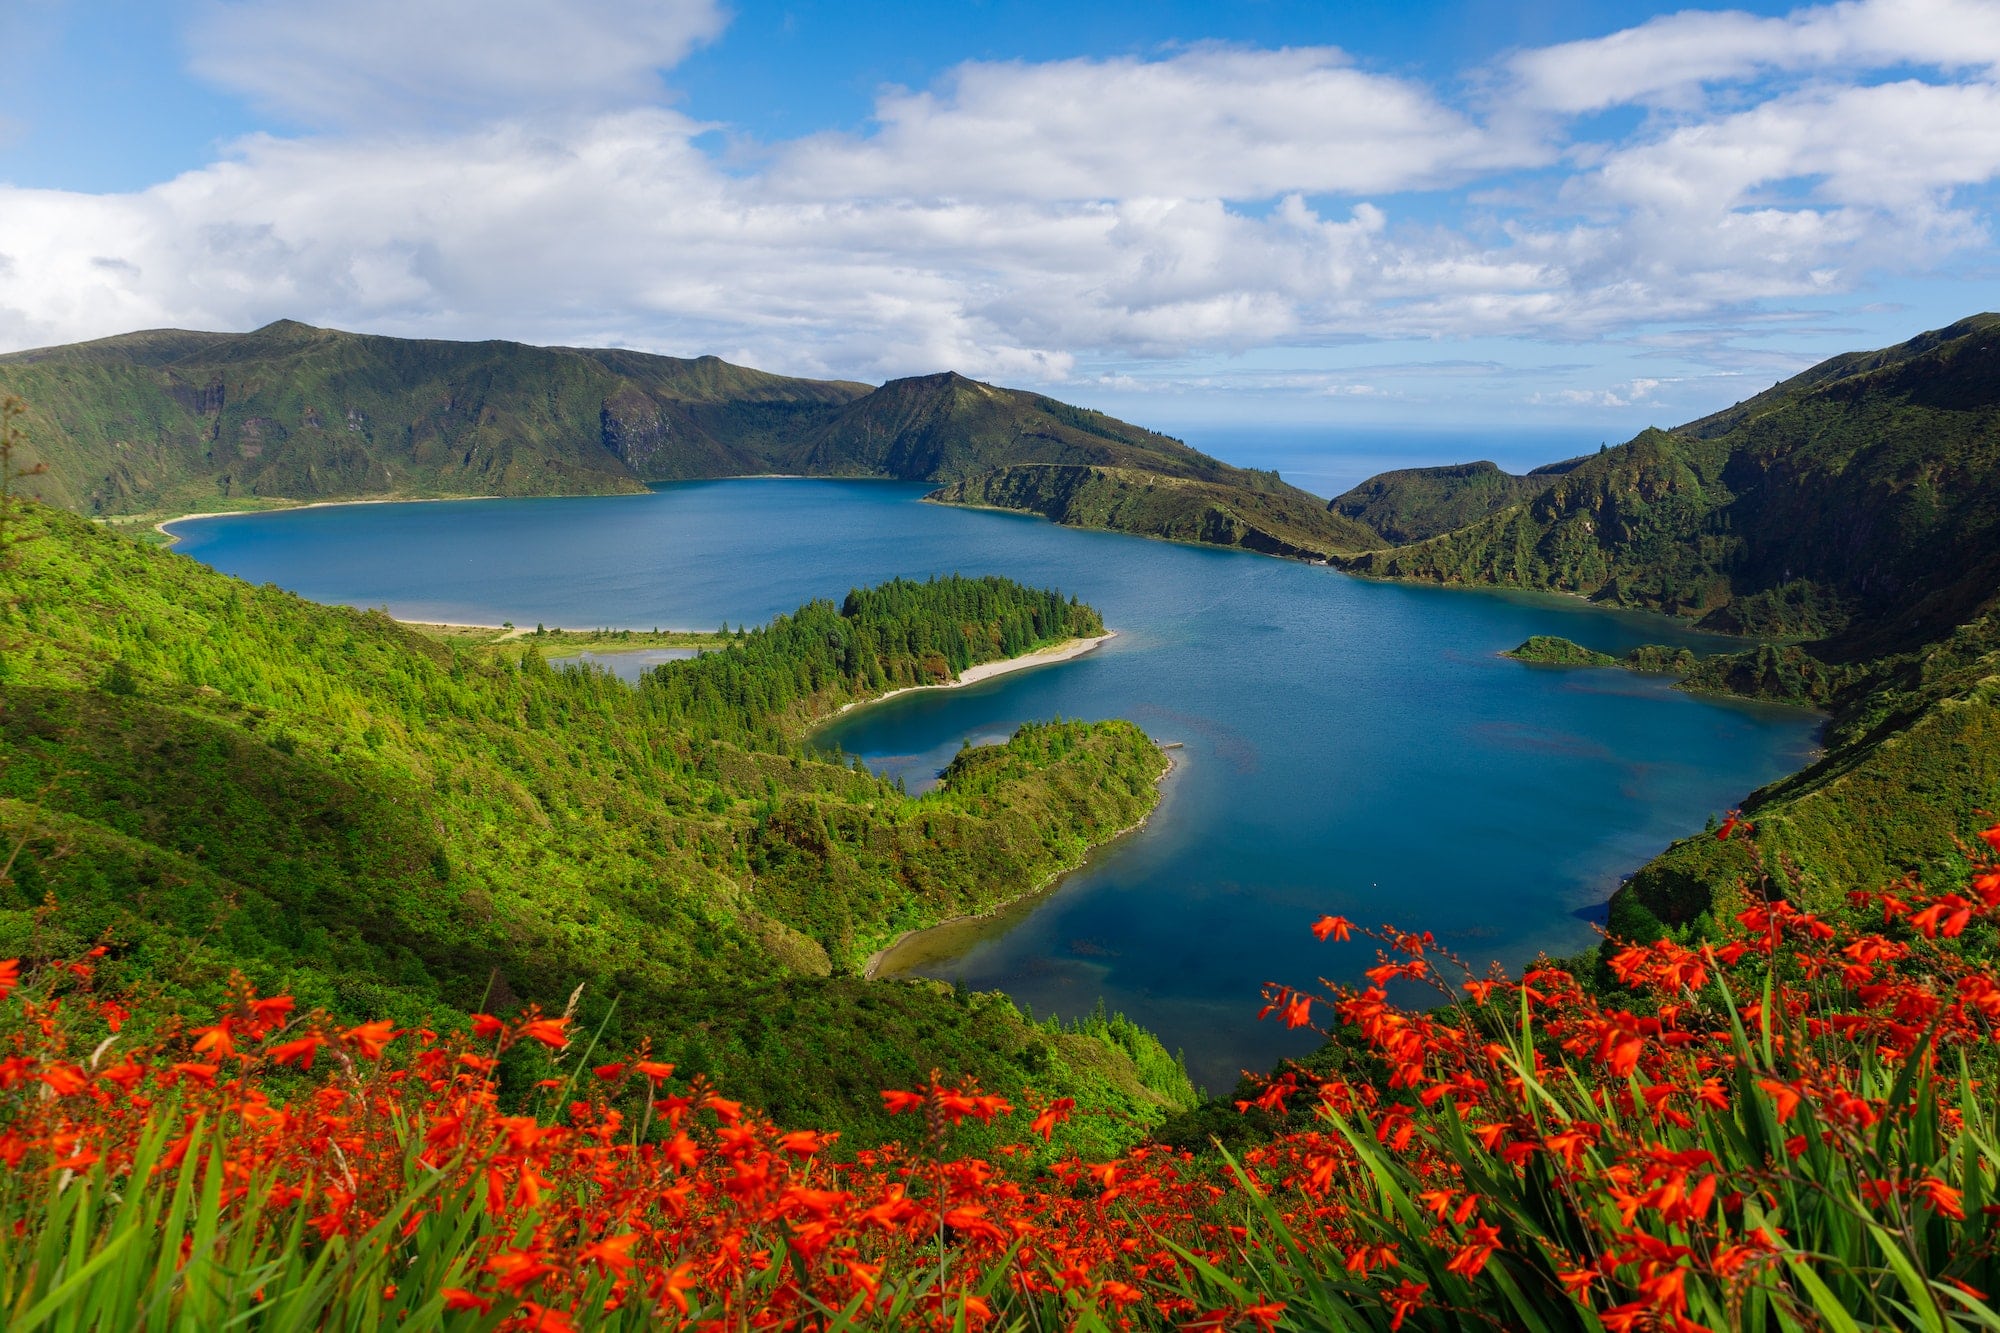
(1216, 122)
(1021, 220)
(387, 62)
(1667, 57)
(1633, 393)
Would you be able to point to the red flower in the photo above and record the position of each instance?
(370, 1039)
(547, 1031)
(65, 1080)
(1339, 927)
(613, 1253)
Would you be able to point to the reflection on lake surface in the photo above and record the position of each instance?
(1349, 747)
(627, 664)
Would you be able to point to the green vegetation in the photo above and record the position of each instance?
(556, 643)
(1912, 756)
(1553, 650)
(1851, 503)
(1271, 518)
(153, 424)
(1416, 504)
(777, 680)
(1549, 650)
(211, 776)
(1851, 509)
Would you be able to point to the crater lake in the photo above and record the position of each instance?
(1345, 746)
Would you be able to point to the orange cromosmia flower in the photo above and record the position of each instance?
(1336, 927)
(676, 1287)
(214, 1040)
(486, 1026)
(1297, 1013)
(515, 1269)
(299, 1052)
(547, 1031)
(124, 1074)
(81, 1159)
(458, 1298)
(271, 1010)
(10, 976)
(613, 1252)
(804, 1142)
(897, 1102)
(1052, 1115)
(65, 1080)
(1784, 1097)
(1403, 1300)
(609, 1073)
(1264, 1315)
(655, 1070)
(370, 1038)
(1942, 1197)
(543, 1319)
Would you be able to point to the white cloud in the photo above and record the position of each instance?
(1666, 58)
(1214, 122)
(1633, 393)
(385, 62)
(1022, 222)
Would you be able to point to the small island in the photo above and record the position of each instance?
(1552, 650)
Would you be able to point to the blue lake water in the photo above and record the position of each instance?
(1347, 747)
(629, 664)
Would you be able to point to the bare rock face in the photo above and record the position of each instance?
(636, 429)
(204, 400)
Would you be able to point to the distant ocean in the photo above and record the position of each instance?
(1327, 461)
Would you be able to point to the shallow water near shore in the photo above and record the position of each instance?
(1349, 747)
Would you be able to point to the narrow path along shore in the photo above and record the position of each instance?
(972, 675)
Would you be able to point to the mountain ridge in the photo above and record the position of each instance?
(165, 420)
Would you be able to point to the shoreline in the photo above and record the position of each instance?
(164, 525)
(871, 970)
(972, 675)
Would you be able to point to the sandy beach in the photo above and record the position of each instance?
(164, 526)
(972, 675)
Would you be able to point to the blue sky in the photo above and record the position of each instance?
(1563, 218)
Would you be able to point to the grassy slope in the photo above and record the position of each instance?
(168, 420)
(216, 776)
(1851, 505)
(1273, 521)
(165, 419)
(1912, 758)
(1416, 504)
(947, 427)
(1855, 496)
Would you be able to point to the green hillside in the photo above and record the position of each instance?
(1912, 756)
(168, 421)
(1418, 503)
(1853, 504)
(1852, 509)
(207, 776)
(1276, 520)
(947, 427)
